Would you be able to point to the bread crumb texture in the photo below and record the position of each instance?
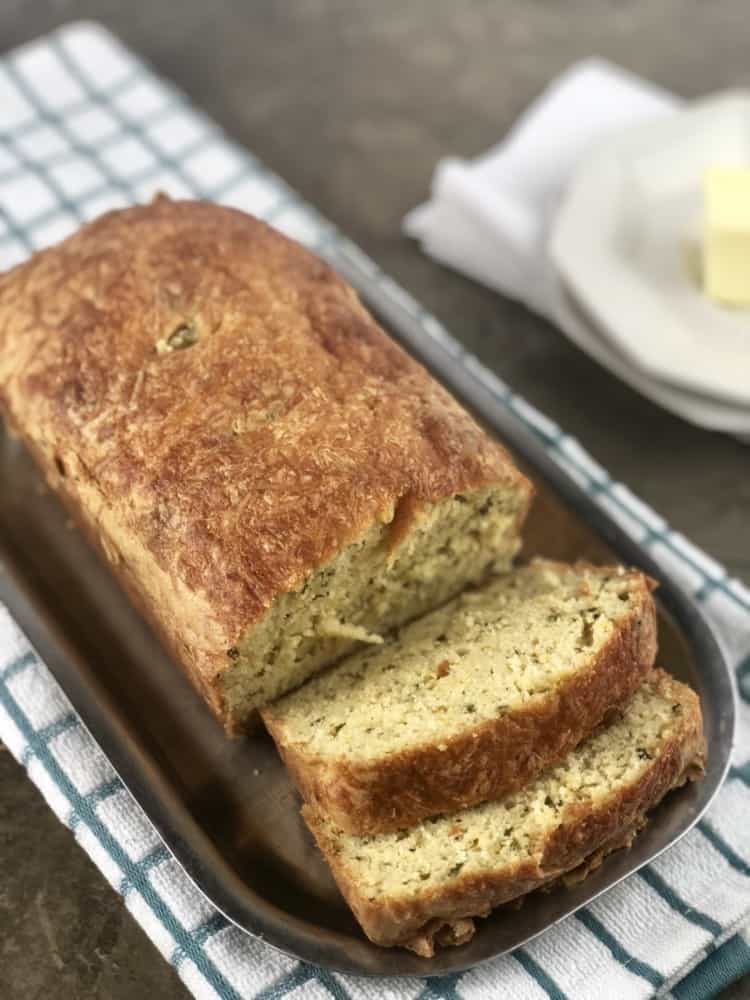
(457, 866)
(503, 833)
(488, 653)
(368, 590)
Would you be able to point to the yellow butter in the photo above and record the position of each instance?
(726, 242)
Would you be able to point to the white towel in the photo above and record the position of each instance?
(84, 126)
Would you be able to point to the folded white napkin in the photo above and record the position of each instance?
(490, 217)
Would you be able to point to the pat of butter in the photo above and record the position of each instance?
(726, 242)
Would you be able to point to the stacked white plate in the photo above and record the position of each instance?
(626, 248)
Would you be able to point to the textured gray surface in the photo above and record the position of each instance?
(353, 103)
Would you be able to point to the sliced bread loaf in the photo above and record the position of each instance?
(470, 701)
(270, 476)
(422, 885)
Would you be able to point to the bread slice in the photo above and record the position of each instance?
(472, 700)
(269, 475)
(423, 885)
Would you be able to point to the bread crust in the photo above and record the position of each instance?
(437, 914)
(218, 474)
(484, 762)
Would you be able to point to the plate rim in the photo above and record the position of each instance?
(582, 253)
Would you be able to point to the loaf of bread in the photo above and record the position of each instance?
(270, 476)
(470, 701)
(424, 884)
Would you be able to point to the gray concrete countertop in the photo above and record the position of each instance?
(353, 102)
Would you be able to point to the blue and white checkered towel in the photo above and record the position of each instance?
(84, 127)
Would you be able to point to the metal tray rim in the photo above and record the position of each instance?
(182, 834)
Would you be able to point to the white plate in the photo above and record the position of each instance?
(702, 410)
(626, 241)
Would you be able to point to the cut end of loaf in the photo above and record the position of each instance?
(371, 587)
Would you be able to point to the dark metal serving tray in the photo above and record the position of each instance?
(226, 809)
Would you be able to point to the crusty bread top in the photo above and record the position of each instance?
(227, 393)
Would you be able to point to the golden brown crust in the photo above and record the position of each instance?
(418, 919)
(484, 763)
(218, 475)
(441, 934)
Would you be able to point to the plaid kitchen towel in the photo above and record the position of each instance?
(85, 127)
